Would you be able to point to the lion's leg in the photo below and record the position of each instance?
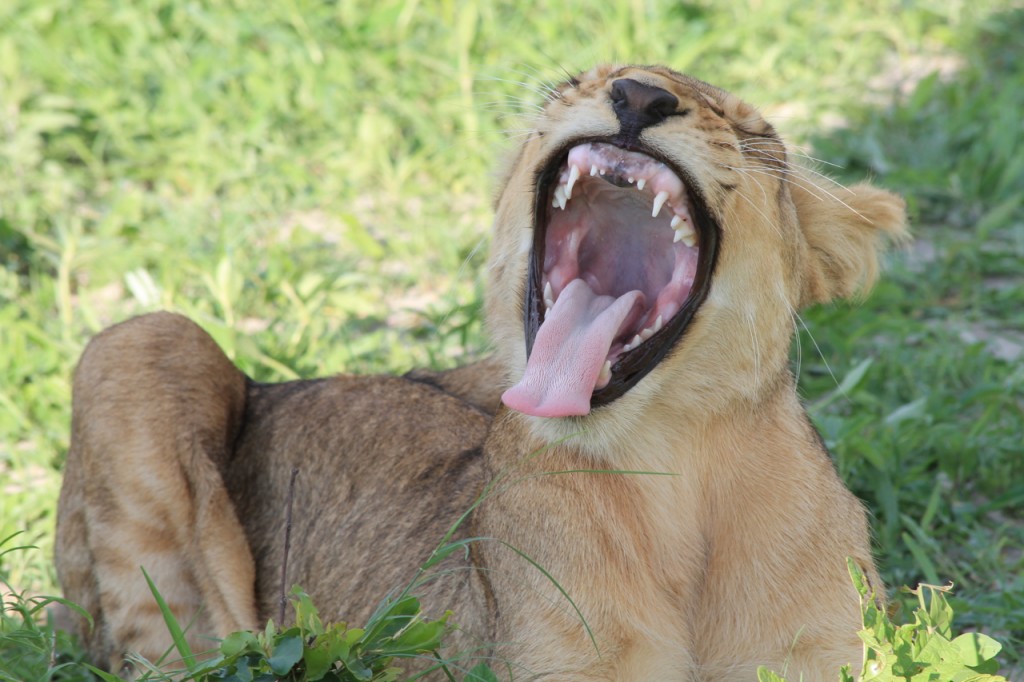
(156, 409)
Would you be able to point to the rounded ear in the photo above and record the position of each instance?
(845, 229)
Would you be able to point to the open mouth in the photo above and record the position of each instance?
(622, 257)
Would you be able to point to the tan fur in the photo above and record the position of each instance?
(734, 559)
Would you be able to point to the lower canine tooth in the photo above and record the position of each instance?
(636, 341)
(657, 324)
(647, 333)
(675, 222)
(560, 196)
(659, 201)
(686, 235)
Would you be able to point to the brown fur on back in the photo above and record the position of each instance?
(719, 545)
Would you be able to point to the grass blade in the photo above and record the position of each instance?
(177, 634)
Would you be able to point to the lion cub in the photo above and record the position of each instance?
(652, 244)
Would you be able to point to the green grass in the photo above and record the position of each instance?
(312, 182)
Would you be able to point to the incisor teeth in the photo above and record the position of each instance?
(574, 175)
(659, 201)
(606, 373)
(640, 183)
(630, 180)
(549, 296)
(593, 170)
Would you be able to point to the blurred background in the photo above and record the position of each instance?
(311, 182)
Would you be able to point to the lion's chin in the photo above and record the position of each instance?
(617, 271)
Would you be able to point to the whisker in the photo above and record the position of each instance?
(818, 348)
(546, 94)
(757, 346)
(764, 195)
(548, 83)
(760, 153)
(755, 207)
(801, 181)
(795, 150)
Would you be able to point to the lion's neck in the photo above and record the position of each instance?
(661, 437)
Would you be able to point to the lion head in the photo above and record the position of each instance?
(653, 243)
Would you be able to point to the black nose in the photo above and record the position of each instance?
(638, 106)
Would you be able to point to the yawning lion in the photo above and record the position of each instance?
(638, 432)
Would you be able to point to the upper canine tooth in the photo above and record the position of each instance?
(574, 175)
(549, 296)
(659, 201)
(606, 373)
(593, 169)
(640, 183)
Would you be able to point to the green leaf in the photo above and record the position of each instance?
(325, 651)
(860, 581)
(105, 676)
(306, 615)
(416, 638)
(237, 642)
(911, 410)
(481, 673)
(287, 652)
(939, 616)
(359, 669)
(360, 237)
(1000, 215)
(974, 648)
(390, 618)
(766, 675)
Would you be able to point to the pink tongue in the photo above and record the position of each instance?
(569, 351)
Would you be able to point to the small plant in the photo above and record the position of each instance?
(310, 651)
(922, 651)
(30, 649)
